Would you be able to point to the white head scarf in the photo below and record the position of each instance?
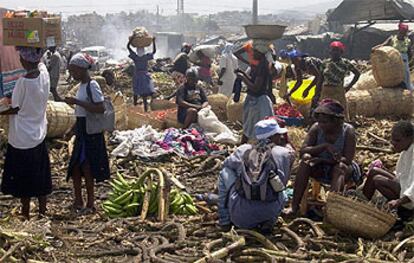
(140, 51)
(228, 49)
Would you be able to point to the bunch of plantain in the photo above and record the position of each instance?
(182, 203)
(125, 200)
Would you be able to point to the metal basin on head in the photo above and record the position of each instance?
(270, 32)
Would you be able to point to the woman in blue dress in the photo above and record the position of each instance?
(143, 85)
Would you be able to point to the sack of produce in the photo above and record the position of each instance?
(208, 50)
(366, 81)
(140, 37)
(387, 67)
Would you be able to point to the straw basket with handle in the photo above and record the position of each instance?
(60, 119)
(387, 67)
(357, 218)
(121, 111)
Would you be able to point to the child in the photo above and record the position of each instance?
(398, 188)
(89, 157)
(142, 82)
(27, 166)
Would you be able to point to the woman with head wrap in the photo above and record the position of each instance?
(257, 104)
(227, 76)
(181, 64)
(327, 153)
(309, 65)
(334, 71)
(404, 45)
(258, 206)
(190, 98)
(142, 83)
(27, 167)
(89, 156)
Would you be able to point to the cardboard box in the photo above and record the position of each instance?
(32, 31)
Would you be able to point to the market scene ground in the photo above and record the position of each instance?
(325, 105)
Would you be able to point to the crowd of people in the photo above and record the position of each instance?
(253, 180)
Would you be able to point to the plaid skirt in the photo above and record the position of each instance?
(89, 148)
(27, 172)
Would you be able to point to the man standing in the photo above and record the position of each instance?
(54, 72)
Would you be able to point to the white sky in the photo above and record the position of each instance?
(68, 7)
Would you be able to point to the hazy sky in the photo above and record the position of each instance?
(68, 7)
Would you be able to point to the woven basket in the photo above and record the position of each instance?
(121, 111)
(366, 82)
(141, 42)
(270, 32)
(380, 102)
(162, 104)
(137, 118)
(387, 67)
(235, 110)
(60, 118)
(218, 104)
(171, 120)
(357, 218)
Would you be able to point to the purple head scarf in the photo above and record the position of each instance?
(30, 54)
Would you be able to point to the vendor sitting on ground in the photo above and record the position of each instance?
(398, 188)
(190, 99)
(253, 178)
(327, 152)
(181, 64)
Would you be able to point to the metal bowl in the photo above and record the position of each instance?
(270, 32)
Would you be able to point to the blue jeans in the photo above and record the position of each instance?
(227, 178)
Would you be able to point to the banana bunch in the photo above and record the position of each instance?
(182, 203)
(125, 200)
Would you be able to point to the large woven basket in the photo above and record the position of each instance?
(218, 104)
(171, 120)
(121, 111)
(141, 41)
(137, 118)
(356, 218)
(387, 67)
(157, 104)
(235, 110)
(60, 118)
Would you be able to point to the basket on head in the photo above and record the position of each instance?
(140, 38)
(357, 218)
(270, 32)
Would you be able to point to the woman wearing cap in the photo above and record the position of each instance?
(89, 156)
(257, 104)
(309, 65)
(143, 85)
(27, 167)
(404, 45)
(334, 71)
(327, 152)
(190, 99)
(238, 204)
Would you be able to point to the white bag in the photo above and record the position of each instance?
(208, 50)
(211, 125)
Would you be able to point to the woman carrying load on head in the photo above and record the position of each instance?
(334, 71)
(257, 104)
(89, 157)
(404, 45)
(27, 166)
(142, 83)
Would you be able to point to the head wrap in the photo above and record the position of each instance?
(266, 128)
(186, 47)
(82, 60)
(330, 107)
(261, 45)
(228, 49)
(338, 44)
(30, 54)
(403, 27)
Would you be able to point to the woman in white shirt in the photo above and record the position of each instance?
(27, 166)
(398, 188)
(89, 157)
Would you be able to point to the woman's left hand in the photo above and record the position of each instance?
(394, 204)
(70, 100)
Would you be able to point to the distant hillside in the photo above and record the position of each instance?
(320, 8)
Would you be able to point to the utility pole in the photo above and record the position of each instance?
(255, 12)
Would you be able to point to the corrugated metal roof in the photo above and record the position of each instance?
(352, 11)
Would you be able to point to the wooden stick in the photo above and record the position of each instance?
(294, 236)
(108, 253)
(147, 197)
(316, 229)
(378, 138)
(221, 253)
(260, 238)
(10, 252)
(401, 244)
